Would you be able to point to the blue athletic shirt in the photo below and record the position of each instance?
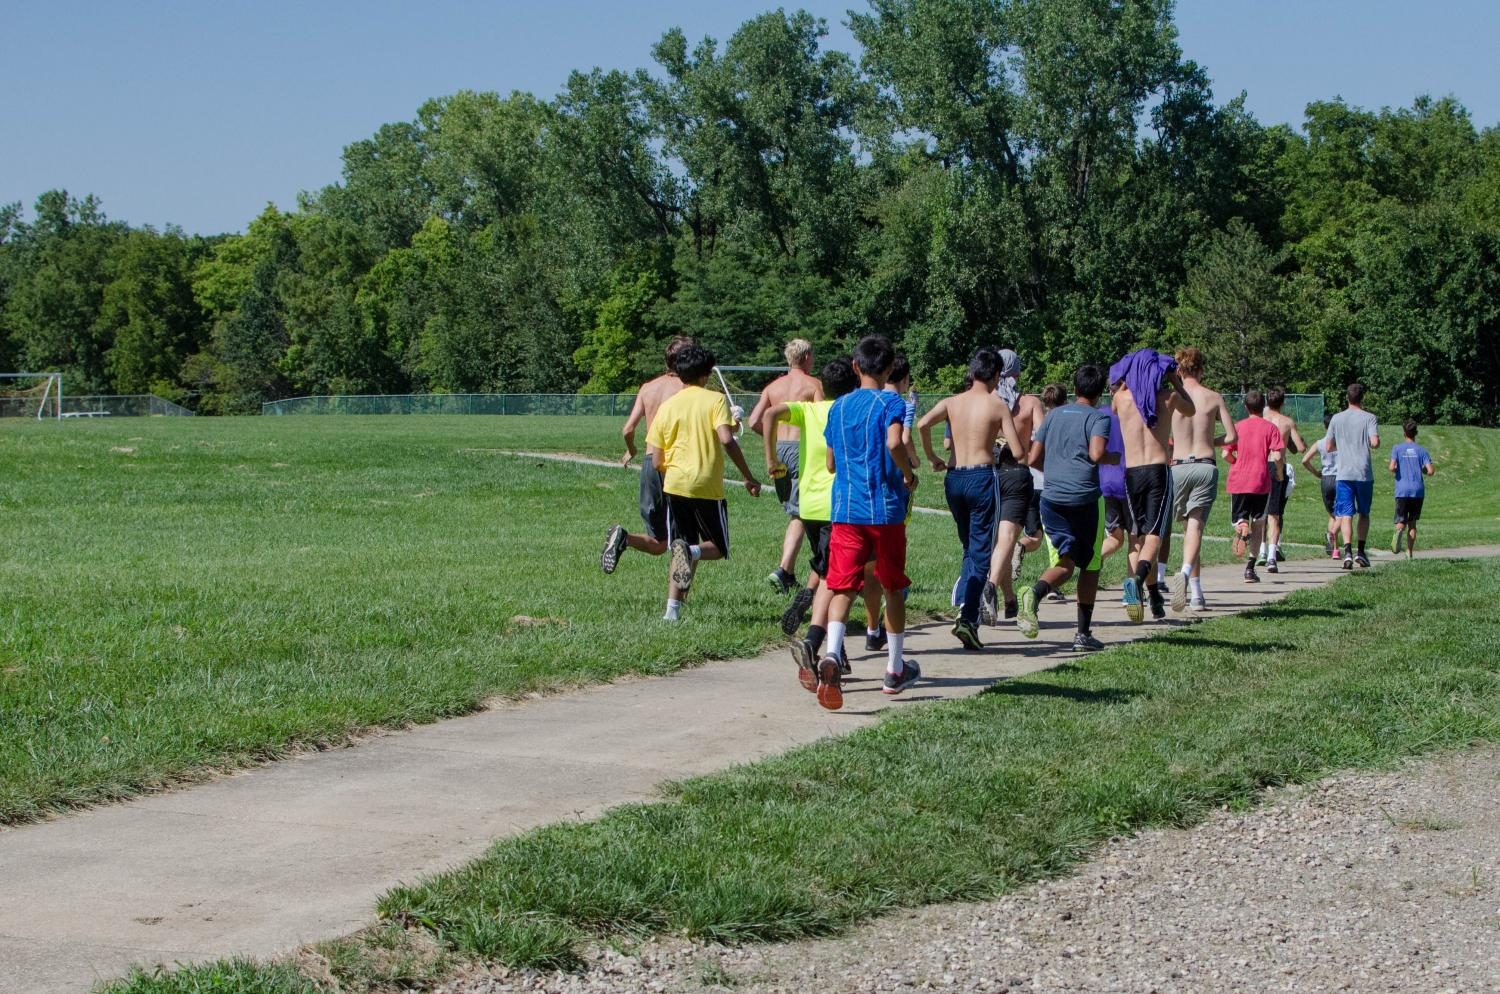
(1410, 458)
(867, 486)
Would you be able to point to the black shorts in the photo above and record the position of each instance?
(653, 502)
(1147, 505)
(1408, 510)
(1115, 514)
(1014, 494)
(1279, 492)
(1033, 526)
(1330, 485)
(1247, 507)
(696, 520)
(817, 533)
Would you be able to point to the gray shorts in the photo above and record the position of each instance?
(1195, 487)
(653, 502)
(786, 487)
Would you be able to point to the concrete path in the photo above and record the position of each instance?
(297, 851)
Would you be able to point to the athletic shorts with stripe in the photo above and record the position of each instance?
(1075, 531)
(1147, 489)
(786, 486)
(696, 520)
(653, 502)
(1280, 491)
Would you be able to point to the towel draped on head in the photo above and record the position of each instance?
(1010, 370)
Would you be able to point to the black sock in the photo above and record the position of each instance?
(1042, 589)
(1085, 618)
(1361, 547)
(815, 635)
(1153, 590)
(1142, 568)
(1011, 609)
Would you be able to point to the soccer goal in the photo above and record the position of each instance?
(742, 386)
(31, 395)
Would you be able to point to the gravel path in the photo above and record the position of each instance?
(1364, 882)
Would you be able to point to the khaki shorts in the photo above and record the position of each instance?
(1195, 486)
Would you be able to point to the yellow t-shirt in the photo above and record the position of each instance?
(814, 482)
(686, 430)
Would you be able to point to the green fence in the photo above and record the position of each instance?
(1303, 408)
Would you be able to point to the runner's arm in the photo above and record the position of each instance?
(1099, 453)
(925, 424)
(726, 439)
(758, 412)
(1230, 435)
(897, 448)
(637, 415)
(658, 458)
(1307, 458)
(767, 427)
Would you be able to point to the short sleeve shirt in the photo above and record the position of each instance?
(814, 482)
(1328, 462)
(1071, 477)
(1410, 459)
(686, 430)
(1352, 431)
(1251, 471)
(867, 486)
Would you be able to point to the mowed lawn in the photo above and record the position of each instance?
(191, 594)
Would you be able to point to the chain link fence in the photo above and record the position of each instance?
(96, 406)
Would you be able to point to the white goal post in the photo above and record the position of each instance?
(736, 409)
(51, 396)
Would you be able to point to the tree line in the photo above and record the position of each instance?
(1055, 176)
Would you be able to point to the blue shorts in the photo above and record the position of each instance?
(1075, 532)
(1353, 497)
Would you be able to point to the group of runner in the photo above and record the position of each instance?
(1080, 478)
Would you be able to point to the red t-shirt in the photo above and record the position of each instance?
(1250, 472)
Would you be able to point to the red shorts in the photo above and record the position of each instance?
(851, 546)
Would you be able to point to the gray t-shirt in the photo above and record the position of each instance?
(1328, 462)
(1071, 477)
(1352, 432)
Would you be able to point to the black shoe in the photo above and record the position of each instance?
(614, 545)
(1361, 560)
(1158, 604)
(1280, 556)
(807, 665)
(1085, 642)
(782, 581)
(967, 635)
(987, 606)
(791, 618)
(844, 668)
(1328, 545)
(875, 640)
(1271, 566)
(1012, 608)
(1348, 561)
(910, 674)
(1251, 576)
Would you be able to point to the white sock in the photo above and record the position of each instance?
(696, 552)
(1263, 549)
(1196, 582)
(1275, 548)
(1161, 572)
(894, 661)
(835, 639)
(1187, 571)
(674, 610)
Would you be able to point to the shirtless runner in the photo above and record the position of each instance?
(648, 400)
(1018, 496)
(978, 416)
(1148, 390)
(1195, 472)
(1270, 550)
(795, 385)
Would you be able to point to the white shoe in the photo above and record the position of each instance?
(1198, 604)
(1017, 556)
(1177, 584)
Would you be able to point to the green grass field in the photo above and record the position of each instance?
(960, 801)
(187, 595)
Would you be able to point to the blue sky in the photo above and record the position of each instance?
(199, 113)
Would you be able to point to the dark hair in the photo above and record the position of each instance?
(1356, 392)
(874, 356)
(1054, 395)
(1088, 382)
(676, 345)
(985, 365)
(1327, 419)
(1255, 401)
(1275, 397)
(1410, 428)
(694, 362)
(900, 369)
(839, 378)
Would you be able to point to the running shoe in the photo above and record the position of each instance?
(782, 581)
(1280, 556)
(1241, 539)
(967, 635)
(1016, 559)
(1328, 549)
(1133, 601)
(682, 565)
(1026, 621)
(875, 640)
(844, 668)
(614, 545)
(1348, 560)
(1085, 642)
(1334, 555)
(987, 606)
(1361, 560)
(1178, 585)
(1057, 597)
(1271, 566)
(830, 684)
(791, 618)
(1250, 575)
(1398, 541)
(910, 674)
(1158, 604)
(1198, 604)
(1010, 610)
(807, 671)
